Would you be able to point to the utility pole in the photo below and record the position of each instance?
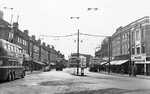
(129, 54)
(109, 54)
(10, 38)
(78, 52)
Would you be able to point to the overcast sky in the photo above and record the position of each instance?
(52, 18)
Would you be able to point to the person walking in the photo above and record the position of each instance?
(122, 70)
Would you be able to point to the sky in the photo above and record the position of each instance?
(52, 18)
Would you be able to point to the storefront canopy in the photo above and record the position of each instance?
(120, 62)
(113, 62)
(103, 63)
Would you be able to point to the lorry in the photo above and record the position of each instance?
(94, 64)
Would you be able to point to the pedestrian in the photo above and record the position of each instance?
(122, 70)
(134, 70)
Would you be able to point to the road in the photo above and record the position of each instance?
(62, 82)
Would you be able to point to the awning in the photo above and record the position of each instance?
(120, 62)
(113, 62)
(102, 63)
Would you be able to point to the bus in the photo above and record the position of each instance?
(59, 64)
(94, 64)
(11, 59)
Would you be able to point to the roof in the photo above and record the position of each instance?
(3, 23)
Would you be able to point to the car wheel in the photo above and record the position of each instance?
(23, 74)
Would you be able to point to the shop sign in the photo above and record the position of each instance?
(138, 58)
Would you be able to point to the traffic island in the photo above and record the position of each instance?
(79, 73)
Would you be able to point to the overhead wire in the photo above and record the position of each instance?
(59, 36)
(93, 35)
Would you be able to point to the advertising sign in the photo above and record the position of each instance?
(138, 58)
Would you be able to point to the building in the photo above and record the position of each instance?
(85, 55)
(36, 54)
(130, 43)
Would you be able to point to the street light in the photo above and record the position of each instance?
(11, 15)
(92, 9)
(88, 9)
(77, 46)
(11, 35)
(8, 8)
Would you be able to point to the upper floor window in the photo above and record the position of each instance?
(137, 35)
(143, 48)
(143, 33)
(122, 37)
(138, 49)
(133, 50)
(18, 39)
(133, 36)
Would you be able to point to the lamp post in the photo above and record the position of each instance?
(130, 53)
(77, 46)
(11, 15)
(109, 50)
(11, 35)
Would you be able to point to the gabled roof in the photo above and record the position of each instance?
(3, 23)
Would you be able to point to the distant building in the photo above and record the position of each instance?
(86, 55)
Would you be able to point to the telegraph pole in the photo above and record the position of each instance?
(109, 54)
(129, 54)
(78, 52)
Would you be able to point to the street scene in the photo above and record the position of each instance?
(74, 47)
(63, 82)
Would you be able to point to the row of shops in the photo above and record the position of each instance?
(123, 66)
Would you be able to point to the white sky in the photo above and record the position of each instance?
(52, 18)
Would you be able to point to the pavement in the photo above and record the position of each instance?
(113, 74)
(126, 75)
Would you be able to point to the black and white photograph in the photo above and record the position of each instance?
(74, 46)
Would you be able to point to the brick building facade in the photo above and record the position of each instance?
(130, 42)
(36, 54)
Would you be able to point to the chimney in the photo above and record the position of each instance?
(52, 47)
(43, 43)
(26, 32)
(48, 46)
(16, 25)
(1, 14)
(39, 41)
(33, 37)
